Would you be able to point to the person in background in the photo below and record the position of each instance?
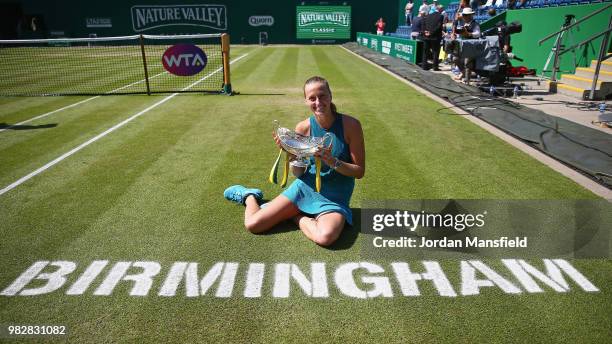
(417, 25)
(424, 7)
(462, 4)
(408, 12)
(380, 26)
(432, 36)
(434, 7)
(443, 14)
(466, 27)
(446, 27)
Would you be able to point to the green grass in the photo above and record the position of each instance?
(152, 191)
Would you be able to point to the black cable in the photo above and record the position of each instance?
(478, 96)
(506, 102)
(579, 105)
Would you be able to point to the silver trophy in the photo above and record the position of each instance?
(303, 147)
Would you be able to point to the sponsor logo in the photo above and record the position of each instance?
(98, 22)
(184, 59)
(323, 22)
(330, 18)
(261, 20)
(386, 47)
(403, 48)
(149, 17)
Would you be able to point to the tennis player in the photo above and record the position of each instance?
(320, 216)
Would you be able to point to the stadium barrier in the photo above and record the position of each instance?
(406, 49)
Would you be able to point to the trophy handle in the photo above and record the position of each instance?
(276, 125)
(327, 140)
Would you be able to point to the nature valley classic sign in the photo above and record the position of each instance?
(148, 17)
(323, 22)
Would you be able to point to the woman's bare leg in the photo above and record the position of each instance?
(324, 230)
(258, 220)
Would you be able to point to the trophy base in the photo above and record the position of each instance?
(300, 162)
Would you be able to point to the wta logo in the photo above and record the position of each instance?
(184, 59)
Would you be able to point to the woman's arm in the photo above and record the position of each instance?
(354, 137)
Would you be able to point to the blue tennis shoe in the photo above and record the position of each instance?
(238, 194)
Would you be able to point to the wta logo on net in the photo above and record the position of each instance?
(184, 59)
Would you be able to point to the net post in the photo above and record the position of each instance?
(144, 63)
(225, 48)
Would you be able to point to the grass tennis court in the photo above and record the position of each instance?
(151, 190)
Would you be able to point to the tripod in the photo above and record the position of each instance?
(559, 45)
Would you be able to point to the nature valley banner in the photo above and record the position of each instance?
(323, 22)
(149, 17)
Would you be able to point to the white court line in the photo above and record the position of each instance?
(104, 133)
(77, 103)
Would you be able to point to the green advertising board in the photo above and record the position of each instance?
(323, 22)
(405, 49)
(243, 20)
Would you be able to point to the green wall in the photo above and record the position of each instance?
(540, 22)
(69, 17)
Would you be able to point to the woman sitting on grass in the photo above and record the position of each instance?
(320, 216)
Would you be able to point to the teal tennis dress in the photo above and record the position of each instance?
(336, 188)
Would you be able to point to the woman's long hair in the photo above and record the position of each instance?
(321, 80)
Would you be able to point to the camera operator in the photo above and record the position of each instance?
(466, 27)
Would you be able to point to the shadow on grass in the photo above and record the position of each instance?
(347, 238)
(26, 127)
(259, 94)
(349, 234)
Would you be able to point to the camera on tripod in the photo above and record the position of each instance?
(503, 30)
(489, 56)
(507, 30)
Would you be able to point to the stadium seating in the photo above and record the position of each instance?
(482, 13)
(401, 32)
(502, 5)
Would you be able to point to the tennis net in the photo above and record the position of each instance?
(143, 64)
